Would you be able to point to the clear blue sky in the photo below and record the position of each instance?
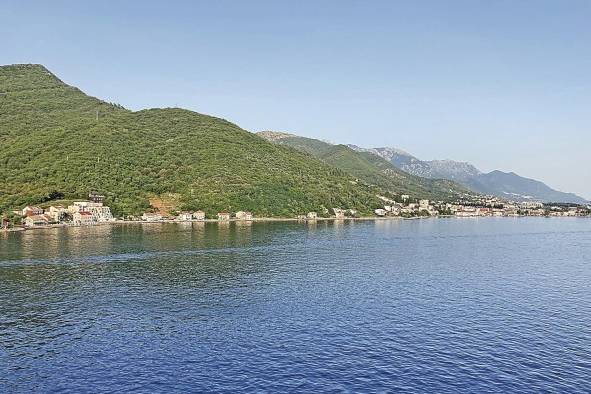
(502, 84)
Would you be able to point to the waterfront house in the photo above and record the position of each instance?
(57, 213)
(100, 212)
(151, 217)
(31, 211)
(37, 220)
(380, 212)
(185, 216)
(77, 206)
(312, 215)
(301, 217)
(223, 216)
(199, 215)
(83, 218)
(242, 215)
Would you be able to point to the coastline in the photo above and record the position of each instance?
(118, 222)
(261, 220)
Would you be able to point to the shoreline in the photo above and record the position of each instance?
(263, 220)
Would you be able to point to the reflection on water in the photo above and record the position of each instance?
(493, 305)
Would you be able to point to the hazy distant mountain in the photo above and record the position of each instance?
(507, 185)
(511, 185)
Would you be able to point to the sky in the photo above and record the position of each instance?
(501, 84)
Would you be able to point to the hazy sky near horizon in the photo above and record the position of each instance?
(501, 84)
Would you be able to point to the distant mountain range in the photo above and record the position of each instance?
(400, 170)
(503, 184)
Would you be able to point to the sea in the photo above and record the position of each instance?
(448, 305)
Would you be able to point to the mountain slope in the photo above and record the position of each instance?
(498, 183)
(58, 142)
(513, 186)
(369, 167)
(435, 169)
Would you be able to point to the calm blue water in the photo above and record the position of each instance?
(445, 305)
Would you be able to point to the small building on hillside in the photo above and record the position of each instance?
(223, 216)
(185, 216)
(312, 215)
(37, 220)
(83, 218)
(96, 198)
(31, 211)
(151, 217)
(242, 215)
(199, 215)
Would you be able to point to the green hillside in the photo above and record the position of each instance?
(369, 168)
(58, 143)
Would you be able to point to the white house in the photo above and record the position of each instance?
(424, 205)
(380, 212)
(57, 213)
(100, 212)
(199, 215)
(83, 218)
(242, 215)
(185, 216)
(37, 220)
(151, 217)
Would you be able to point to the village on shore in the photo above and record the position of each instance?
(93, 211)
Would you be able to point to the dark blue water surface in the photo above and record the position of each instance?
(442, 305)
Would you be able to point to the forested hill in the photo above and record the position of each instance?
(58, 143)
(370, 168)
